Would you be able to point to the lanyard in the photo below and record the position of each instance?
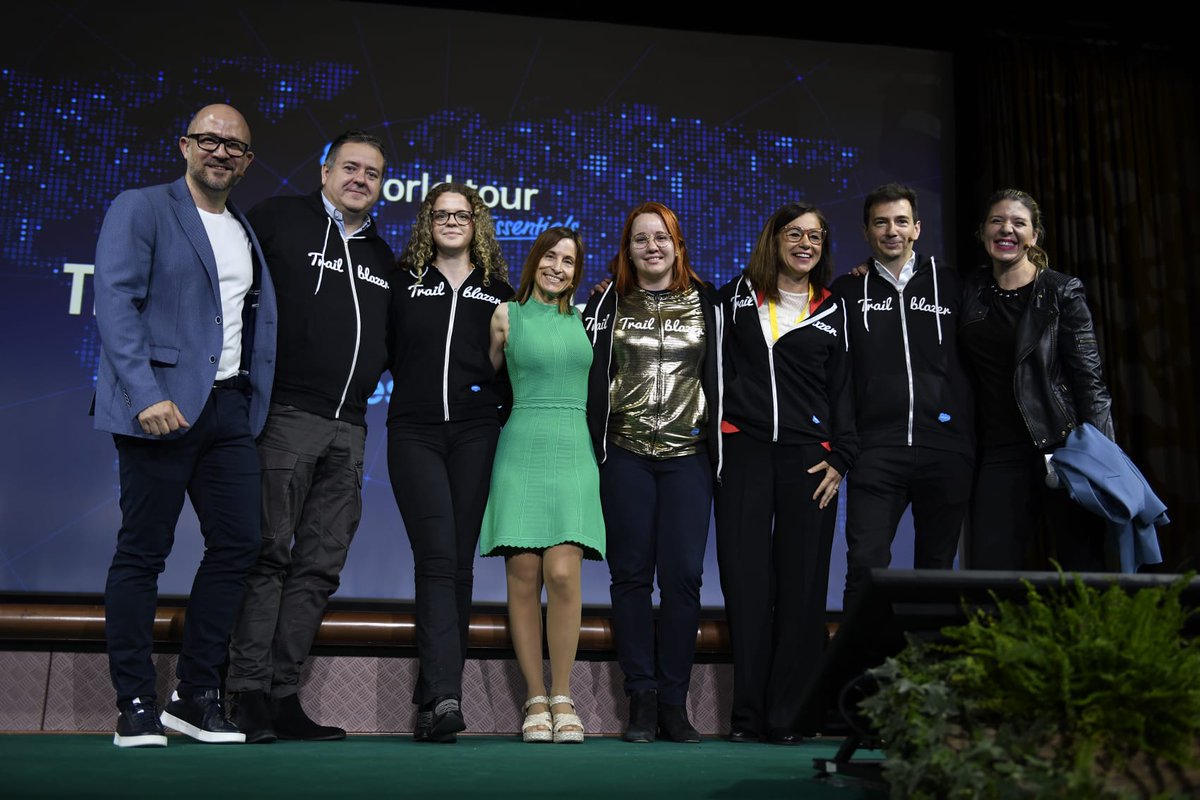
(800, 318)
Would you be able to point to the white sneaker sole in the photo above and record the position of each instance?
(210, 737)
(145, 740)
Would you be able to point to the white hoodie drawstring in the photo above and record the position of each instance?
(866, 300)
(937, 303)
(321, 274)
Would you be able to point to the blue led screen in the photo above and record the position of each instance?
(555, 123)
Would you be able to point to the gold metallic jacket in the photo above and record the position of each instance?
(657, 405)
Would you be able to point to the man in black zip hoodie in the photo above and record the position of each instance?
(332, 272)
(913, 405)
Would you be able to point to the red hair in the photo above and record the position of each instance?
(621, 267)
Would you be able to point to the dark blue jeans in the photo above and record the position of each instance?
(214, 463)
(656, 518)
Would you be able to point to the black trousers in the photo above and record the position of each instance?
(216, 465)
(440, 475)
(884, 481)
(312, 471)
(656, 515)
(1018, 523)
(773, 547)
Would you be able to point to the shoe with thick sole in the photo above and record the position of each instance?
(537, 726)
(138, 724)
(564, 720)
(202, 717)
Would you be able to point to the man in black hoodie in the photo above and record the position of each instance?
(913, 404)
(332, 272)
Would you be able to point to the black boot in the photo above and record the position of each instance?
(250, 712)
(673, 724)
(643, 710)
(290, 722)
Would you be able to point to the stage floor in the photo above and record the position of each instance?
(48, 765)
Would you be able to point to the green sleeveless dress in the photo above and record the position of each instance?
(545, 484)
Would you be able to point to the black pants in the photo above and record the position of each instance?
(215, 464)
(656, 514)
(773, 547)
(440, 475)
(884, 481)
(312, 470)
(1012, 510)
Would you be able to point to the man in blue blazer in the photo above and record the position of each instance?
(187, 323)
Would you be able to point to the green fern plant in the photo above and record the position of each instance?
(1078, 693)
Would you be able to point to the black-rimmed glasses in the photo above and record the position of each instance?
(441, 217)
(209, 143)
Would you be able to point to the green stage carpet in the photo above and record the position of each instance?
(89, 766)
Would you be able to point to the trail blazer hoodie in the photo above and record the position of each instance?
(333, 304)
(440, 366)
(795, 390)
(910, 386)
(598, 321)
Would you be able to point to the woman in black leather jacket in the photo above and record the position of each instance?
(1028, 340)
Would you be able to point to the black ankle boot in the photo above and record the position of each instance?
(673, 724)
(250, 712)
(643, 711)
(290, 722)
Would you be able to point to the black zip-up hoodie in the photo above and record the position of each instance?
(333, 296)
(798, 390)
(910, 385)
(440, 367)
(599, 319)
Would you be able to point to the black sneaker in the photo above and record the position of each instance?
(249, 712)
(424, 725)
(138, 725)
(447, 720)
(202, 717)
(290, 722)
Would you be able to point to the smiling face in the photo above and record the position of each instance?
(891, 232)
(798, 253)
(1008, 233)
(354, 179)
(216, 173)
(452, 236)
(652, 252)
(555, 271)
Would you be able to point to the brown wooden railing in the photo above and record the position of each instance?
(66, 623)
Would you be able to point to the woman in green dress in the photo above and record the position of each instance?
(543, 513)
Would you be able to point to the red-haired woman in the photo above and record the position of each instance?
(543, 513)
(787, 439)
(651, 411)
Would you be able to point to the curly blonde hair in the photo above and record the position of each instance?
(485, 250)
